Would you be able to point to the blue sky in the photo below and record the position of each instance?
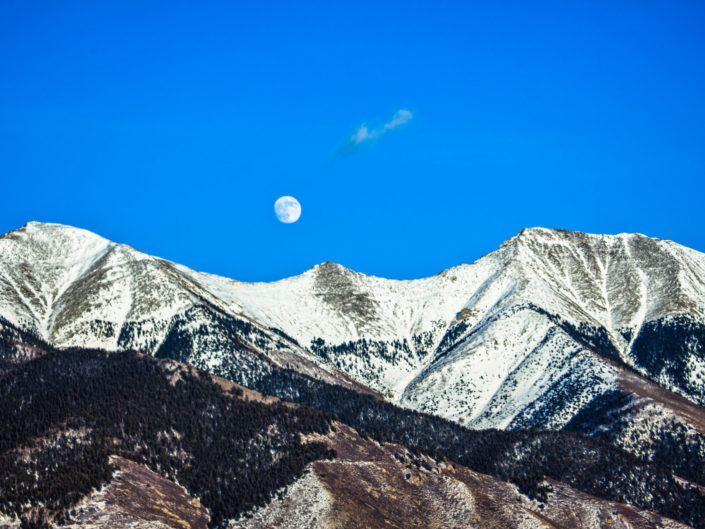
(175, 126)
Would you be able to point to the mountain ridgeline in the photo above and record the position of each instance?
(482, 344)
(561, 357)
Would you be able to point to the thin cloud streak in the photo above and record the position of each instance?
(364, 135)
(400, 117)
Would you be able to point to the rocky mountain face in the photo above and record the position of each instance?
(527, 336)
(591, 335)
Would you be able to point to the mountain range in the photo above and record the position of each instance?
(490, 344)
(597, 335)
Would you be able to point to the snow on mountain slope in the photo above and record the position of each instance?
(566, 300)
(519, 338)
(487, 343)
(332, 306)
(76, 289)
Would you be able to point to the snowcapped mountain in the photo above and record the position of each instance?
(527, 336)
(73, 288)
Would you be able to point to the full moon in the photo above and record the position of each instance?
(287, 209)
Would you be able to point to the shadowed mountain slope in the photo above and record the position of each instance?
(99, 440)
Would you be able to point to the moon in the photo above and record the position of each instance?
(287, 209)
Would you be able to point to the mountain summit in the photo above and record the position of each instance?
(527, 336)
(599, 336)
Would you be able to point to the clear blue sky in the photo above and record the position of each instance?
(174, 126)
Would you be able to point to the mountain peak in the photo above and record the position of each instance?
(76, 288)
(46, 230)
(538, 232)
(329, 267)
(325, 265)
(558, 233)
(40, 241)
(35, 226)
(538, 237)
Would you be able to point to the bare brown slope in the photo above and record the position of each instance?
(385, 485)
(652, 392)
(368, 485)
(138, 498)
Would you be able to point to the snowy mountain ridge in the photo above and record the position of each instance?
(528, 335)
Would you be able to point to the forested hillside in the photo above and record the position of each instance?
(65, 413)
(523, 457)
(68, 411)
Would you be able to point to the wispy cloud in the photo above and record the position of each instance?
(398, 119)
(366, 135)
